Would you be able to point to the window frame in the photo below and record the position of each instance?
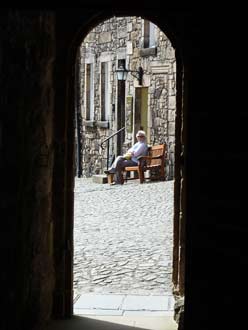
(89, 91)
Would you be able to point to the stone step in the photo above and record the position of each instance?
(126, 305)
(99, 178)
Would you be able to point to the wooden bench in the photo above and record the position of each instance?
(154, 162)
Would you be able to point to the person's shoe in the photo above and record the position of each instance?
(115, 183)
(109, 172)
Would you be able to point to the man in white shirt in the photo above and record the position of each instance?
(130, 158)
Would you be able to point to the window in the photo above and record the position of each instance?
(89, 97)
(104, 92)
(122, 63)
(149, 34)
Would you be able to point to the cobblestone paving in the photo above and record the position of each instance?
(123, 238)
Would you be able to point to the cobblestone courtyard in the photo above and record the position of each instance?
(123, 238)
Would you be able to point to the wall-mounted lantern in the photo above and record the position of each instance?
(122, 73)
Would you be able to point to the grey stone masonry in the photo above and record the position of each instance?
(150, 106)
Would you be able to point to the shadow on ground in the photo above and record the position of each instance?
(114, 323)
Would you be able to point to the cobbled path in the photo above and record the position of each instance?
(123, 238)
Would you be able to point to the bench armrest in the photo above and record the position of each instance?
(149, 157)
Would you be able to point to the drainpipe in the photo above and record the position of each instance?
(78, 120)
(79, 145)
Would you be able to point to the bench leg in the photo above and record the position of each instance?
(141, 175)
(162, 174)
(110, 178)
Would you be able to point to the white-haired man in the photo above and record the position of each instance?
(129, 159)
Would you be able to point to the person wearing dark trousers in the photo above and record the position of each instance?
(140, 148)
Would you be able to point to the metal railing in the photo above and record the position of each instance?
(107, 140)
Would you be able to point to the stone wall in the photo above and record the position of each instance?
(27, 159)
(121, 38)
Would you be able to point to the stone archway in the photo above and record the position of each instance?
(65, 155)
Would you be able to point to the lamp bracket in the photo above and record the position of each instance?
(135, 73)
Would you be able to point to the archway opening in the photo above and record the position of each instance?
(103, 106)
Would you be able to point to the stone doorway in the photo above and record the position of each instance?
(177, 262)
(141, 111)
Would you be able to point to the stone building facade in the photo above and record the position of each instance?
(108, 105)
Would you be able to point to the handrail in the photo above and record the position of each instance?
(107, 140)
(121, 129)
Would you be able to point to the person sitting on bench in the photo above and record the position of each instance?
(140, 148)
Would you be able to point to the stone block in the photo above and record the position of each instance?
(105, 37)
(99, 178)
